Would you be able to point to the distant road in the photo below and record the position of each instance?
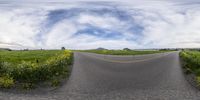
(106, 77)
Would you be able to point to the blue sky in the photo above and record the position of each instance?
(111, 24)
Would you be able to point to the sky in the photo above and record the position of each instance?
(89, 24)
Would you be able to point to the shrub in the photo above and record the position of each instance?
(191, 60)
(27, 86)
(188, 71)
(62, 48)
(6, 81)
(24, 72)
(5, 68)
(55, 82)
(29, 73)
(198, 80)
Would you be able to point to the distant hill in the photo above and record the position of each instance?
(100, 48)
(8, 49)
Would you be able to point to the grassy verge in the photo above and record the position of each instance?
(124, 52)
(26, 69)
(191, 63)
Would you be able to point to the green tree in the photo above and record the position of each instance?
(63, 48)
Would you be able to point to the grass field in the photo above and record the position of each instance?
(27, 68)
(16, 57)
(124, 52)
(191, 63)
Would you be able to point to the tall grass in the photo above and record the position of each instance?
(191, 63)
(30, 72)
(16, 57)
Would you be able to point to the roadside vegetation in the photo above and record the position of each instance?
(191, 63)
(124, 52)
(26, 69)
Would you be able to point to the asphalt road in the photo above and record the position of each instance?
(105, 77)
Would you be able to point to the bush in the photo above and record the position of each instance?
(198, 80)
(6, 81)
(30, 73)
(5, 68)
(27, 86)
(191, 63)
(24, 72)
(55, 82)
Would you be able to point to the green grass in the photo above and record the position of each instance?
(124, 52)
(191, 63)
(28, 68)
(16, 57)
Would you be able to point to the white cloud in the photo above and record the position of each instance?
(19, 26)
(106, 22)
(60, 35)
(172, 29)
(178, 26)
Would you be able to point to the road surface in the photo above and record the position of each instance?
(106, 77)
